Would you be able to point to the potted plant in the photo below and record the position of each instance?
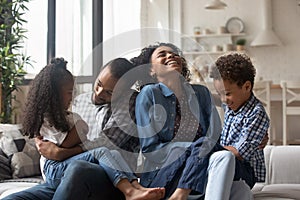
(12, 60)
(240, 44)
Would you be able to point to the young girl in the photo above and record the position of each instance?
(46, 115)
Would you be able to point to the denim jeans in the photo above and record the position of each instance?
(86, 181)
(220, 184)
(111, 161)
(207, 168)
(81, 181)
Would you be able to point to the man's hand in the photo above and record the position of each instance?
(47, 149)
(264, 142)
(53, 152)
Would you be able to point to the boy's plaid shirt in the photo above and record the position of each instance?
(245, 130)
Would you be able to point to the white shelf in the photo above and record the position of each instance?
(214, 35)
(224, 38)
(202, 52)
(208, 52)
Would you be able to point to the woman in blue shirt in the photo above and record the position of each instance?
(178, 124)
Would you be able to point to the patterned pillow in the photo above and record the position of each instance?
(5, 169)
(22, 152)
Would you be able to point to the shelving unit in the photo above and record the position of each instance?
(202, 44)
(214, 35)
(199, 51)
(203, 52)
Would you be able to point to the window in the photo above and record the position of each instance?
(121, 28)
(36, 44)
(74, 34)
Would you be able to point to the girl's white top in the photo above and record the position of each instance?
(50, 133)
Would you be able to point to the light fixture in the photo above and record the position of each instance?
(215, 5)
(267, 36)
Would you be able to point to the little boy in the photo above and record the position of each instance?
(245, 121)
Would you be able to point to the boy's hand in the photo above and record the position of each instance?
(264, 142)
(234, 151)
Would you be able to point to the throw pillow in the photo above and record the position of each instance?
(24, 157)
(5, 169)
(26, 163)
(10, 139)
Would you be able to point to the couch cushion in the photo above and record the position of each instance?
(284, 188)
(15, 185)
(267, 153)
(258, 187)
(22, 152)
(284, 165)
(278, 191)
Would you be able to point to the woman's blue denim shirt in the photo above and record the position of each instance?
(155, 116)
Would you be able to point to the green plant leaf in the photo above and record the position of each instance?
(12, 34)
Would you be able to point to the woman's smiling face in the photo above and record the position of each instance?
(164, 60)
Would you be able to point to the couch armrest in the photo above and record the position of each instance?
(284, 165)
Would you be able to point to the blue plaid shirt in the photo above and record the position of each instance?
(245, 130)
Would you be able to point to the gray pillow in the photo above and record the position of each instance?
(5, 169)
(26, 163)
(22, 152)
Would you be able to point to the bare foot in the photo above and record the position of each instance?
(145, 194)
(180, 194)
(137, 185)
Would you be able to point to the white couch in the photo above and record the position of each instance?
(19, 167)
(19, 161)
(283, 174)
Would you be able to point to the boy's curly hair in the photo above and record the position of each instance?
(45, 99)
(234, 67)
(145, 57)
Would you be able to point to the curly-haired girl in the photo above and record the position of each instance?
(47, 116)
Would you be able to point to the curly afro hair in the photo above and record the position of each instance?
(145, 57)
(45, 99)
(235, 67)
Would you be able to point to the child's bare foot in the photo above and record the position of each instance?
(137, 185)
(134, 191)
(145, 194)
(180, 194)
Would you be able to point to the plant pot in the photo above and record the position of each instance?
(240, 47)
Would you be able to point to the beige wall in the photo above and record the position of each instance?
(272, 63)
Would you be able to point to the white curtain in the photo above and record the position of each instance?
(36, 42)
(121, 28)
(74, 35)
(121, 32)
